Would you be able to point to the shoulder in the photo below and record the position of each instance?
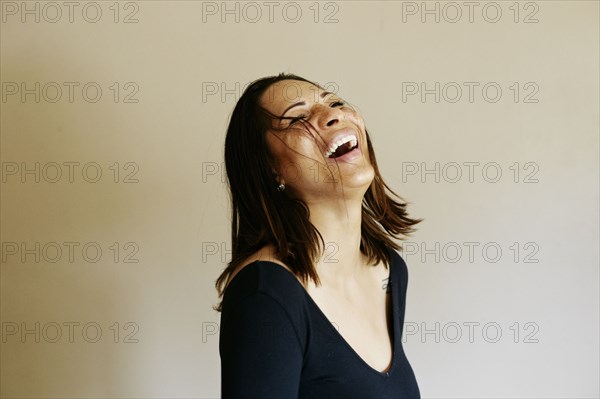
(265, 254)
(399, 265)
(262, 274)
(396, 258)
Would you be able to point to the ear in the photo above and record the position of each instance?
(276, 176)
(274, 165)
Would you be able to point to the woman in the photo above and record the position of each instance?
(314, 297)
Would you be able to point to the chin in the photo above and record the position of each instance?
(359, 179)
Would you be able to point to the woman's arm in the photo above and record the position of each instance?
(261, 355)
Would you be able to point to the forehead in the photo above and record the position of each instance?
(284, 93)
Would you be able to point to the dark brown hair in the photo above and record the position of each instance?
(261, 215)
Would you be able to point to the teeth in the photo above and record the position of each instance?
(343, 140)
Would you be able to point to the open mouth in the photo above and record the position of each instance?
(342, 146)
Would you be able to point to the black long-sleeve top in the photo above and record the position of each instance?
(275, 342)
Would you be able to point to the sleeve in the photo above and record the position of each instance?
(261, 355)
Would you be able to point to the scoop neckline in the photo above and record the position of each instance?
(391, 279)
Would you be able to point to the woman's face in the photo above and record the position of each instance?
(314, 162)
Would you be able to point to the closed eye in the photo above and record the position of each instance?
(296, 119)
(299, 117)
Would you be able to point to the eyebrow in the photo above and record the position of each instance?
(322, 95)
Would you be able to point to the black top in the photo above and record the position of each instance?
(275, 342)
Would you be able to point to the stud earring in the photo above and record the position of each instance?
(281, 187)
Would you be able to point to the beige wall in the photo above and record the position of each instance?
(161, 126)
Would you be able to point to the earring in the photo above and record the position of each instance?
(281, 187)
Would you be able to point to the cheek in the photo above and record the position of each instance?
(299, 145)
(356, 118)
(294, 151)
(301, 162)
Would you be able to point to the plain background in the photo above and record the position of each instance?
(516, 317)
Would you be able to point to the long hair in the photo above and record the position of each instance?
(261, 215)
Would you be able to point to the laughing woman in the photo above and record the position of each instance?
(313, 299)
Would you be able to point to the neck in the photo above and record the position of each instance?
(339, 222)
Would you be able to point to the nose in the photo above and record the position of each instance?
(328, 116)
